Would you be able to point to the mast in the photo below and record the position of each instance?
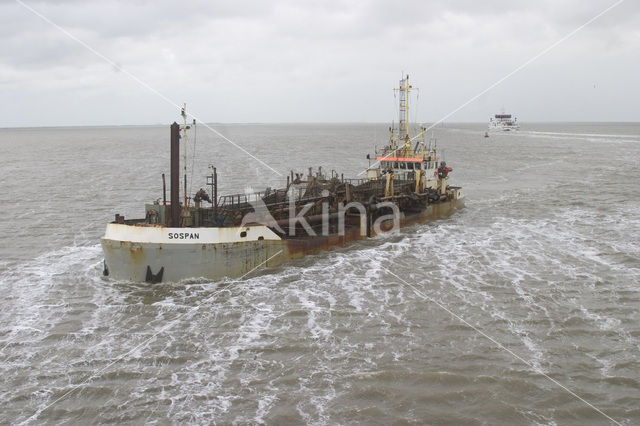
(183, 136)
(403, 107)
(403, 135)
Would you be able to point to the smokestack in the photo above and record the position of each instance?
(175, 175)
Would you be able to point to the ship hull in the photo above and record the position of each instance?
(504, 128)
(136, 253)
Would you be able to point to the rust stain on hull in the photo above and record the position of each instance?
(219, 260)
(216, 261)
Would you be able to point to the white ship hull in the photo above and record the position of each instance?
(503, 128)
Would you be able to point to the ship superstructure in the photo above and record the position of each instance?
(410, 158)
(503, 123)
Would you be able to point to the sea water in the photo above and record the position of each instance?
(521, 308)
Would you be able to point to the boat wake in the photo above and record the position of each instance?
(590, 137)
(338, 326)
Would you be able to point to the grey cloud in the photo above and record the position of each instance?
(224, 54)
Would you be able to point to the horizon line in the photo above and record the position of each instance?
(245, 123)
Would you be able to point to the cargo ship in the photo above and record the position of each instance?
(216, 236)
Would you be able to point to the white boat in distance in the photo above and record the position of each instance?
(503, 122)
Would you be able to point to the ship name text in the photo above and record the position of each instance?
(184, 236)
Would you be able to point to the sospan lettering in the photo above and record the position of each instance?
(184, 236)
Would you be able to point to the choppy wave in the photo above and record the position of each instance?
(588, 135)
(549, 271)
(337, 317)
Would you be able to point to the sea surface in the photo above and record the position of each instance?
(521, 308)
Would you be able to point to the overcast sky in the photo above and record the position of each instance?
(316, 61)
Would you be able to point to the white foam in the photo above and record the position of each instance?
(491, 265)
(596, 135)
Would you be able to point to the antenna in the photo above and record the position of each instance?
(403, 107)
(184, 141)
